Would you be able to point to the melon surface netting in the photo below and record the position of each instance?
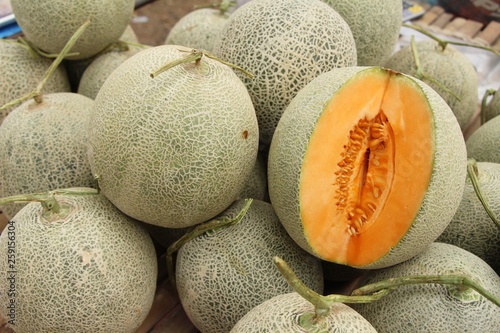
(367, 167)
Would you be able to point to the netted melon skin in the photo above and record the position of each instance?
(92, 271)
(43, 147)
(289, 147)
(451, 68)
(198, 29)
(471, 228)
(281, 314)
(175, 150)
(285, 44)
(50, 24)
(256, 184)
(484, 144)
(432, 307)
(222, 276)
(21, 72)
(492, 109)
(375, 25)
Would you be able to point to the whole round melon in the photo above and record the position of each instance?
(492, 109)
(472, 228)
(449, 72)
(285, 44)
(375, 25)
(281, 314)
(222, 275)
(198, 29)
(21, 71)
(60, 19)
(43, 146)
(367, 167)
(174, 150)
(88, 268)
(483, 144)
(434, 307)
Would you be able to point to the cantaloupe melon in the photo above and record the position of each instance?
(43, 146)
(174, 150)
(367, 167)
(492, 109)
(89, 269)
(449, 72)
(224, 274)
(21, 71)
(433, 307)
(49, 24)
(375, 25)
(483, 144)
(471, 228)
(285, 44)
(256, 184)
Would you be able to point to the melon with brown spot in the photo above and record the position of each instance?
(60, 19)
(285, 44)
(367, 167)
(174, 150)
(88, 267)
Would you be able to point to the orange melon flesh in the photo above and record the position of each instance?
(367, 168)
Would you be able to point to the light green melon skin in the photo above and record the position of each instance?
(256, 184)
(21, 72)
(43, 147)
(484, 143)
(280, 315)
(198, 29)
(171, 151)
(290, 144)
(100, 68)
(493, 107)
(285, 44)
(432, 307)
(56, 291)
(60, 19)
(222, 276)
(451, 68)
(471, 228)
(375, 25)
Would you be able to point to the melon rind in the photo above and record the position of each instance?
(174, 150)
(280, 315)
(285, 44)
(492, 109)
(289, 147)
(96, 269)
(483, 144)
(432, 307)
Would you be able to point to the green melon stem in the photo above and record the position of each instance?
(443, 43)
(196, 56)
(37, 93)
(484, 103)
(223, 6)
(420, 74)
(36, 52)
(209, 226)
(472, 172)
(370, 292)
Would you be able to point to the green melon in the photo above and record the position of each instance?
(91, 268)
(483, 144)
(43, 146)
(492, 109)
(353, 179)
(223, 275)
(256, 184)
(174, 150)
(280, 314)
(448, 68)
(471, 228)
(432, 307)
(198, 29)
(60, 19)
(21, 71)
(285, 44)
(375, 25)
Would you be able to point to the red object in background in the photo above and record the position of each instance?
(483, 11)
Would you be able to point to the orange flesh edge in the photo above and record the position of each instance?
(411, 150)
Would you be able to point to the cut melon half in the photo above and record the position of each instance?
(363, 174)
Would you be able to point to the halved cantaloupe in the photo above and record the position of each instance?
(374, 163)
